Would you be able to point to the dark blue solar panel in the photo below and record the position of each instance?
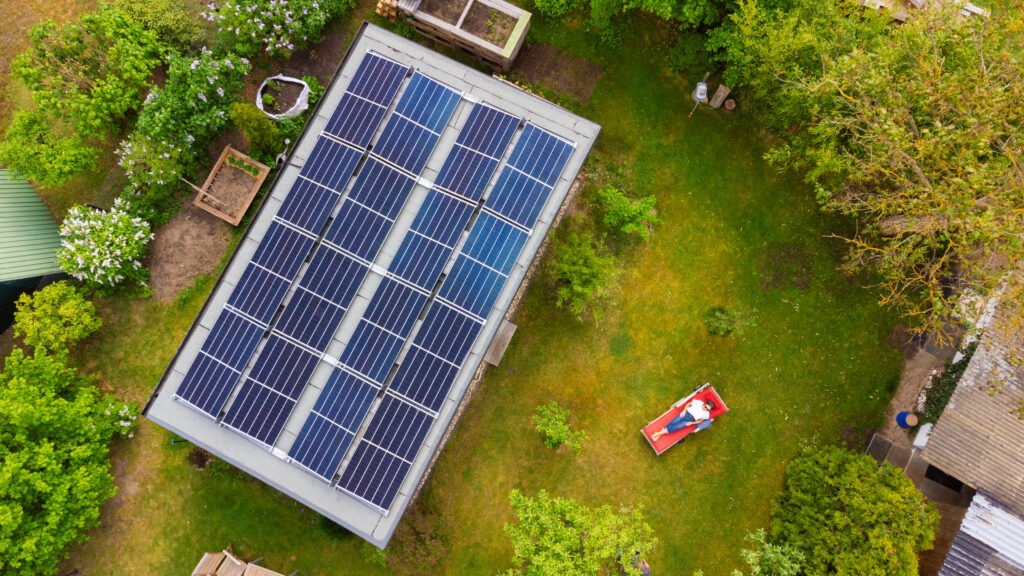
(420, 260)
(427, 102)
(233, 339)
(371, 351)
(258, 293)
(381, 188)
(345, 399)
(447, 332)
(310, 319)
(466, 173)
(424, 378)
(282, 250)
(259, 412)
(308, 205)
(405, 144)
(333, 275)
(282, 366)
(355, 120)
(442, 218)
(378, 78)
(472, 286)
(494, 243)
(395, 306)
(488, 130)
(374, 475)
(518, 197)
(540, 154)
(207, 384)
(398, 427)
(331, 164)
(358, 230)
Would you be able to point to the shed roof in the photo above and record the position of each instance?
(990, 542)
(28, 232)
(979, 438)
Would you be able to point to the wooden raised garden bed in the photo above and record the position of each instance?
(231, 186)
(492, 30)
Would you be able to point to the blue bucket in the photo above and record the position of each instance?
(906, 419)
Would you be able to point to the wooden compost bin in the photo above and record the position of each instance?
(491, 30)
(231, 186)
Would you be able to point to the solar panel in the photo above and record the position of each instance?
(261, 414)
(378, 78)
(413, 130)
(526, 181)
(488, 130)
(395, 306)
(333, 276)
(494, 243)
(307, 205)
(330, 164)
(258, 293)
(358, 230)
(540, 154)
(207, 384)
(282, 250)
(427, 247)
(478, 149)
(364, 104)
(442, 218)
(424, 378)
(381, 188)
(232, 339)
(372, 351)
(447, 332)
(310, 319)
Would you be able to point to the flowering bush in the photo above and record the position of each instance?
(153, 168)
(104, 249)
(272, 27)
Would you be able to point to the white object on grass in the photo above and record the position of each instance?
(301, 103)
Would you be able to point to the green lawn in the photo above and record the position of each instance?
(734, 232)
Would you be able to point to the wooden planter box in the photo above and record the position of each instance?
(491, 30)
(231, 186)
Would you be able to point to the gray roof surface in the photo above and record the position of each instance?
(28, 233)
(990, 542)
(271, 466)
(979, 439)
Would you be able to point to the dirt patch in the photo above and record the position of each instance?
(548, 67)
(283, 95)
(447, 10)
(917, 370)
(199, 458)
(786, 265)
(489, 24)
(192, 243)
(229, 190)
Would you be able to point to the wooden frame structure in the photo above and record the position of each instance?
(455, 35)
(203, 193)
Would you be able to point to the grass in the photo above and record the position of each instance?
(814, 368)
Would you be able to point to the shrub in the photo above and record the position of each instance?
(627, 215)
(272, 27)
(689, 56)
(89, 72)
(36, 152)
(153, 169)
(722, 321)
(316, 89)
(943, 385)
(53, 459)
(54, 318)
(582, 273)
(104, 249)
(553, 422)
(174, 22)
(556, 9)
(265, 139)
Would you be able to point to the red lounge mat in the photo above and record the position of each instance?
(705, 393)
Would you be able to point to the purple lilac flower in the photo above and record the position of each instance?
(202, 96)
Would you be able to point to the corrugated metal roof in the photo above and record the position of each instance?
(28, 234)
(979, 438)
(990, 542)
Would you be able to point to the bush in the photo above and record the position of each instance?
(689, 57)
(627, 215)
(36, 152)
(54, 318)
(556, 9)
(583, 274)
(272, 27)
(316, 89)
(264, 137)
(89, 72)
(943, 385)
(722, 321)
(171, 20)
(104, 249)
(553, 422)
(153, 169)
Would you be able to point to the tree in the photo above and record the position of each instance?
(89, 72)
(626, 215)
(37, 151)
(914, 130)
(104, 249)
(560, 536)
(553, 422)
(54, 432)
(583, 274)
(54, 318)
(849, 516)
(264, 137)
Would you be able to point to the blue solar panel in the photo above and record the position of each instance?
(331, 164)
(282, 250)
(405, 144)
(258, 293)
(427, 102)
(358, 230)
(369, 94)
(488, 130)
(540, 154)
(310, 319)
(333, 275)
(398, 427)
(374, 475)
(259, 412)
(447, 332)
(466, 173)
(233, 339)
(442, 218)
(207, 384)
(472, 286)
(395, 306)
(308, 205)
(494, 243)
(283, 366)
(412, 131)
(355, 120)
(518, 197)
(378, 78)
(420, 260)
(381, 188)
(372, 351)
(345, 399)
(424, 378)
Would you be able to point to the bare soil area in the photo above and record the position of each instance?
(548, 67)
(192, 243)
(489, 24)
(230, 190)
(447, 10)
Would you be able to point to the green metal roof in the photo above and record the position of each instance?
(29, 237)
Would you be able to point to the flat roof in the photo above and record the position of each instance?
(365, 345)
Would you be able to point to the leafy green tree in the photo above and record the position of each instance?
(265, 139)
(583, 273)
(89, 72)
(915, 130)
(849, 516)
(54, 433)
(175, 23)
(626, 215)
(560, 536)
(54, 318)
(553, 422)
(36, 151)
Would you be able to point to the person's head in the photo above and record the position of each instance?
(710, 405)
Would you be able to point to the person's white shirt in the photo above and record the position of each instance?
(696, 409)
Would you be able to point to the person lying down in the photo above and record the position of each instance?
(696, 411)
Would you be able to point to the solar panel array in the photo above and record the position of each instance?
(408, 346)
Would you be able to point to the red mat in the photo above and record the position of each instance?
(665, 442)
